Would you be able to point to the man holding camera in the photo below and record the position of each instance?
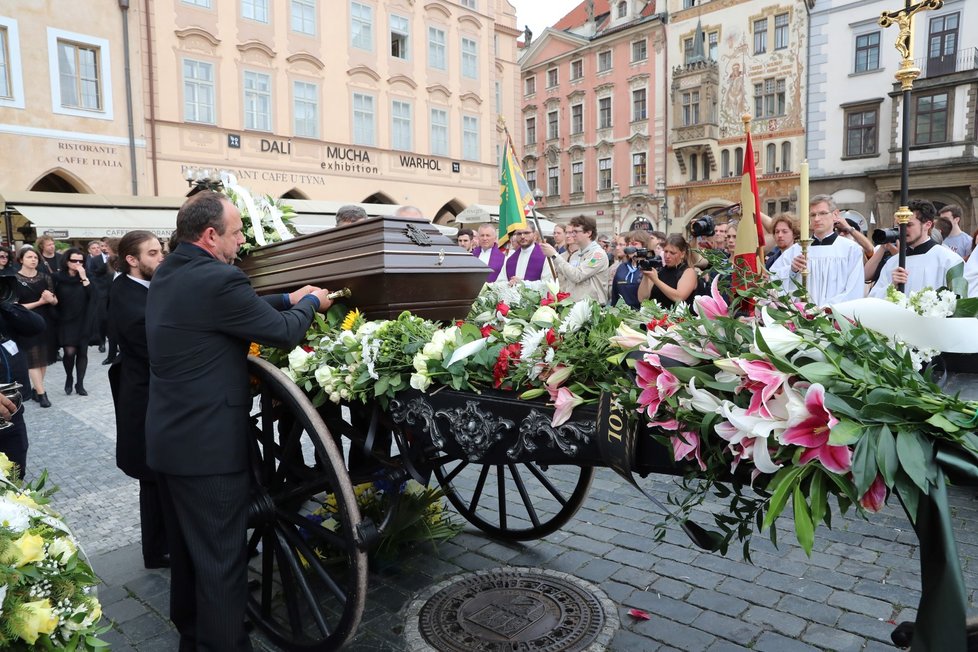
(835, 264)
(927, 261)
(584, 274)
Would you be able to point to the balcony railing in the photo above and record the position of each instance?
(701, 131)
(961, 61)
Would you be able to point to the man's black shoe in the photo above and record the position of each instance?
(108, 361)
(162, 561)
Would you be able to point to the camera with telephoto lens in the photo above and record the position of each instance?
(886, 236)
(703, 227)
(642, 258)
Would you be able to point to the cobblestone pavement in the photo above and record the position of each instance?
(861, 578)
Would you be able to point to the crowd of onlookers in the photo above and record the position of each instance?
(842, 263)
(69, 290)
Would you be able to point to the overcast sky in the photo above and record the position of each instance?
(540, 14)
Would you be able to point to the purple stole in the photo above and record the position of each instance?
(534, 266)
(496, 260)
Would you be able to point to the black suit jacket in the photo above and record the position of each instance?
(129, 376)
(201, 315)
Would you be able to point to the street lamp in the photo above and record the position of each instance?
(537, 195)
(660, 194)
(202, 178)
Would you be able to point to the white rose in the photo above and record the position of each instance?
(61, 549)
(420, 382)
(299, 359)
(288, 372)
(323, 375)
(344, 393)
(335, 397)
(420, 363)
(544, 315)
(512, 331)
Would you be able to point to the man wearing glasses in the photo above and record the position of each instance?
(584, 274)
(526, 262)
(835, 265)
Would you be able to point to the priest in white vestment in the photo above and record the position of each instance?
(971, 274)
(927, 262)
(526, 260)
(835, 265)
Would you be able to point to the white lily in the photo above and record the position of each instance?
(703, 401)
(467, 350)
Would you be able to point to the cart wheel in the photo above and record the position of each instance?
(307, 583)
(516, 502)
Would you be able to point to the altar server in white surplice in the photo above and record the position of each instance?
(835, 265)
(927, 261)
(971, 274)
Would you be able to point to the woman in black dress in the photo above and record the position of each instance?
(76, 317)
(35, 291)
(676, 281)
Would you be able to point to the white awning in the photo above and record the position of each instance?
(80, 222)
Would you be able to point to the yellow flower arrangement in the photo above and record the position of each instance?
(33, 619)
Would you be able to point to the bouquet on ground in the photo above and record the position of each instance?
(47, 591)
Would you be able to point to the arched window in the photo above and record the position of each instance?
(694, 164)
(739, 160)
(785, 156)
(622, 9)
(770, 158)
(725, 163)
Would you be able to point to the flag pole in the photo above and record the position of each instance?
(533, 210)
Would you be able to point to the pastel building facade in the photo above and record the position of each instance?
(592, 119)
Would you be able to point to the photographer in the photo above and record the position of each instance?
(675, 281)
(628, 275)
(15, 321)
(927, 261)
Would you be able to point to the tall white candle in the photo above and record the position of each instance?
(803, 201)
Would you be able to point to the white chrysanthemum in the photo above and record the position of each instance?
(532, 338)
(14, 515)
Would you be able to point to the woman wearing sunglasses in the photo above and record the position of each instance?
(76, 317)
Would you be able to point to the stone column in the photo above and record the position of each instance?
(886, 205)
(972, 220)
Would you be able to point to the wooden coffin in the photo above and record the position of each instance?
(390, 264)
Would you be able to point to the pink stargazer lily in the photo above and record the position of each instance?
(811, 431)
(712, 306)
(686, 446)
(565, 402)
(656, 382)
(761, 379)
(677, 353)
(875, 497)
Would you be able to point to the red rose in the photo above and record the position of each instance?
(460, 323)
(547, 300)
(307, 349)
(502, 308)
(551, 336)
(487, 330)
(562, 295)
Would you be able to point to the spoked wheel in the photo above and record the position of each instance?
(307, 574)
(518, 501)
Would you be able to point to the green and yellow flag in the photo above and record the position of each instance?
(515, 197)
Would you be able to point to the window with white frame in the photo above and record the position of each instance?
(769, 98)
(439, 132)
(470, 137)
(713, 45)
(470, 58)
(305, 109)
(604, 61)
(198, 3)
(640, 170)
(471, 4)
(604, 113)
(531, 179)
(553, 125)
(436, 49)
(861, 137)
(304, 17)
(622, 9)
(577, 177)
(691, 108)
(760, 36)
(258, 101)
(198, 91)
(640, 50)
(553, 181)
(361, 26)
(6, 81)
(79, 74)
(577, 119)
(364, 120)
(551, 78)
(530, 85)
(401, 125)
(604, 174)
(639, 104)
(576, 69)
(531, 130)
(781, 31)
(400, 30)
(256, 10)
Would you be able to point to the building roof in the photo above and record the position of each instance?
(577, 16)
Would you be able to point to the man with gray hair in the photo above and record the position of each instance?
(409, 211)
(350, 214)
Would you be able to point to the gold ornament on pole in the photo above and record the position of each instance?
(906, 75)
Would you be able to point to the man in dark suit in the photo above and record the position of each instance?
(99, 272)
(201, 314)
(140, 253)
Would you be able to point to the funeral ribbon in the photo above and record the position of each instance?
(946, 334)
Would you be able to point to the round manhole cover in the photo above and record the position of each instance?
(512, 609)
